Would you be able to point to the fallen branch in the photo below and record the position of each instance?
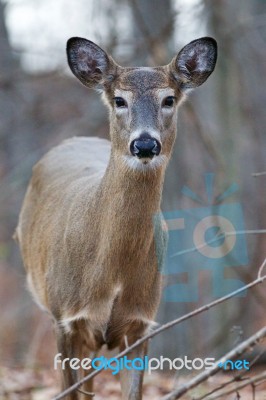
(168, 325)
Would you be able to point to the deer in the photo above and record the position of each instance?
(86, 229)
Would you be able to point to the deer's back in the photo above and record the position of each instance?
(62, 184)
(75, 158)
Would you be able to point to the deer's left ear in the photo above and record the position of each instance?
(194, 63)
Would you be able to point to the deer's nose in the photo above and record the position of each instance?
(145, 146)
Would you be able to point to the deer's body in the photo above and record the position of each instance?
(102, 247)
(86, 229)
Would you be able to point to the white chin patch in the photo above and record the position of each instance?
(145, 164)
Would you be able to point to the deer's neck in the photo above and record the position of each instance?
(129, 191)
(128, 202)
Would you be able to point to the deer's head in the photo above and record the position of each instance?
(142, 101)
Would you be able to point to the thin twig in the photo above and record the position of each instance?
(259, 173)
(250, 381)
(261, 268)
(86, 393)
(161, 329)
(126, 341)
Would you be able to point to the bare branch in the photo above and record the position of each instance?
(259, 173)
(237, 351)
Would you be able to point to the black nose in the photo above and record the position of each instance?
(145, 147)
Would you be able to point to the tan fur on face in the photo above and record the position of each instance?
(139, 80)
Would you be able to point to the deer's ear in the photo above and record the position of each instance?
(194, 63)
(89, 63)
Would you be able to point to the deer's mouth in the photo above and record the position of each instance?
(145, 164)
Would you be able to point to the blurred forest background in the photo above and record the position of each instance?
(221, 129)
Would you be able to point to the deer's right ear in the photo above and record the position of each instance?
(89, 63)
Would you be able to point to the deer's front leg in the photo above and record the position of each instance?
(67, 346)
(131, 380)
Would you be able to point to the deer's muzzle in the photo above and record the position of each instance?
(145, 146)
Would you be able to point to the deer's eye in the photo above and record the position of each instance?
(169, 101)
(120, 102)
